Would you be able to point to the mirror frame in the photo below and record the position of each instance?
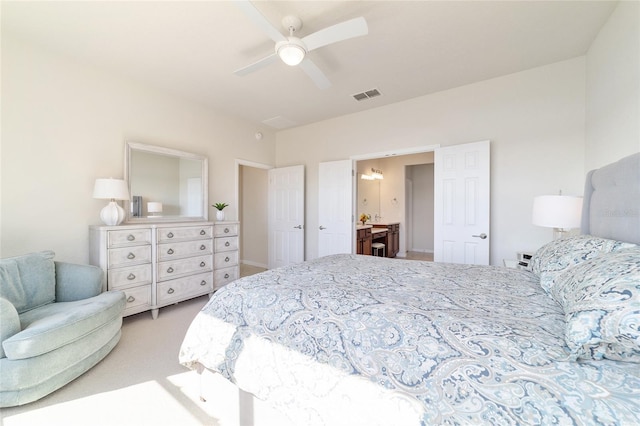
(135, 146)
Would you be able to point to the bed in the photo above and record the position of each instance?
(351, 339)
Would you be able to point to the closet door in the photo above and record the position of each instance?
(335, 216)
(286, 216)
(461, 204)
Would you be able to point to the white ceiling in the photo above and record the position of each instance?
(413, 48)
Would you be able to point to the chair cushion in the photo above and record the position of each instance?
(54, 325)
(28, 281)
(9, 322)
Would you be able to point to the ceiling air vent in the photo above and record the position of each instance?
(366, 95)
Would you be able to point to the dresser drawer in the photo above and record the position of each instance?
(225, 230)
(128, 256)
(169, 251)
(184, 233)
(226, 244)
(225, 259)
(138, 299)
(182, 288)
(120, 278)
(129, 237)
(176, 268)
(222, 277)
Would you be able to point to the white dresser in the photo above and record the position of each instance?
(159, 264)
(225, 260)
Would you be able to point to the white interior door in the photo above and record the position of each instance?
(461, 203)
(286, 216)
(335, 198)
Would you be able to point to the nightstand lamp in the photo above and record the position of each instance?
(111, 189)
(560, 212)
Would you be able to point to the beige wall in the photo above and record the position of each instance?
(64, 124)
(613, 88)
(535, 120)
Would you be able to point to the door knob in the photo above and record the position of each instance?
(298, 227)
(482, 236)
(322, 227)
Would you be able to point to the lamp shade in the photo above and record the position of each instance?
(557, 211)
(154, 207)
(111, 189)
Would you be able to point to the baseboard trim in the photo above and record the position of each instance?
(422, 250)
(251, 263)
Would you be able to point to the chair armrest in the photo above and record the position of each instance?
(77, 282)
(9, 322)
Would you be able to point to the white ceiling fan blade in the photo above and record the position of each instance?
(261, 22)
(345, 30)
(315, 73)
(257, 65)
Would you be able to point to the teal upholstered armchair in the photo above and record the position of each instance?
(55, 324)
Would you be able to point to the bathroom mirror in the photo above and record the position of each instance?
(368, 196)
(165, 184)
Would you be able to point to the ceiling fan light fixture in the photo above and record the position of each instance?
(292, 51)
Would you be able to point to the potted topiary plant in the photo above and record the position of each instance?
(220, 212)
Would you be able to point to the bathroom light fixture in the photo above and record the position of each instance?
(366, 177)
(377, 174)
(111, 189)
(560, 212)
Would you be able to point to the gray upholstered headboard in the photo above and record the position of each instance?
(611, 207)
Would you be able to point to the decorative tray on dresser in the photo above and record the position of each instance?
(160, 264)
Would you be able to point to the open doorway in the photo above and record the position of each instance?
(252, 199)
(419, 210)
(404, 195)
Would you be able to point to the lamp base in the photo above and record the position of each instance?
(112, 214)
(559, 233)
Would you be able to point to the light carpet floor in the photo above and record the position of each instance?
(141, 383)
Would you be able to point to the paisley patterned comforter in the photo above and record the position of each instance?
(350, 339)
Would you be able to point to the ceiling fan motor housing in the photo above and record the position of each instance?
(291, 23)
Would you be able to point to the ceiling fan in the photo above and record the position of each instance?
(293, 50)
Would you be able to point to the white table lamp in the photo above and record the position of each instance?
(154, 207)
(111, 189)
(560, 212)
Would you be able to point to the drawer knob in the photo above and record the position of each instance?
(131, 256)
(170, 251)
(131, 237)
(226, 275)
(226, 259)
(170, 291)
(131, 277)
(170, 235)
(170, 270)
(202, 264)
(203, 232)
(203, 282)
(226, 230)
(203, 247)
(131, 299)
(227, 244)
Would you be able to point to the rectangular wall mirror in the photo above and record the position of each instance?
(165, 184)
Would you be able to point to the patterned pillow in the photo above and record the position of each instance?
(553, 258)
(601, 301)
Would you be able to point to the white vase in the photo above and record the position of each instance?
(219, 215)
